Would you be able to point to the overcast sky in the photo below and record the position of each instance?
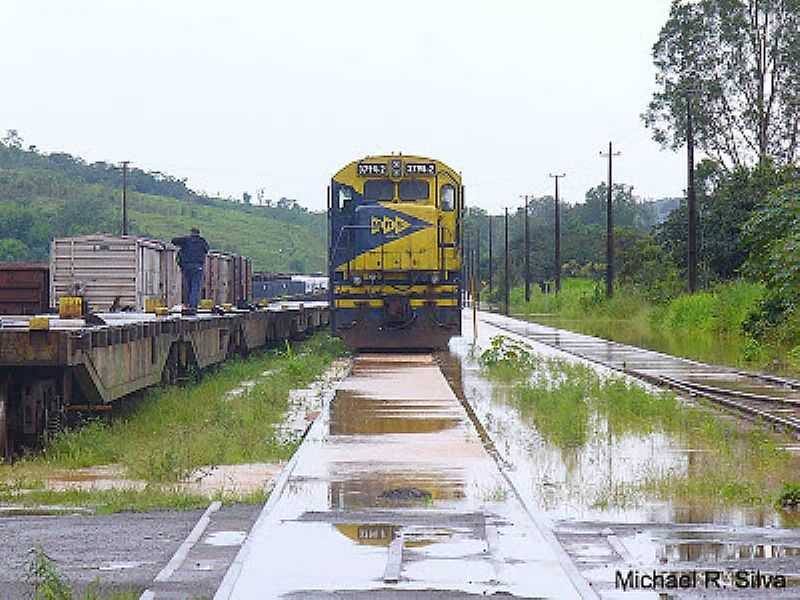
(239, 95)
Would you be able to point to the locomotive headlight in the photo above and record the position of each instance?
(356, 280)
(435, 278)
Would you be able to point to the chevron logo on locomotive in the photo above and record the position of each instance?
(388, 225)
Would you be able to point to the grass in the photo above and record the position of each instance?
(164, 436)
(574, 408)
(705, 326)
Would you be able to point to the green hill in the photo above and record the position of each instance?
(46, 196)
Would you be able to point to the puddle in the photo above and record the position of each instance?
(123, 565)
(205, 481)
(225, 538)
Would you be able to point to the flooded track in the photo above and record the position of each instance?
(393, 493)
(571, 487)
(757, 395)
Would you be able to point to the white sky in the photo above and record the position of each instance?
(238, 95)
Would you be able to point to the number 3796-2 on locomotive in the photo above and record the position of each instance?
(395, 252)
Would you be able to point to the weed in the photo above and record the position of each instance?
(44, 576)
(507, 358)
(790, 496)
(50, 584)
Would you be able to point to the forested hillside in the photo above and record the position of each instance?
(44, 196)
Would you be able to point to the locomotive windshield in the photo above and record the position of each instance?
(414, 189)
(378, 189)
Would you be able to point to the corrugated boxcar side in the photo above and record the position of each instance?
(242, 279)
(24, 288)
(110, 267)
(218, 274)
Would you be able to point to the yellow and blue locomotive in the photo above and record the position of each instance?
(394, 253)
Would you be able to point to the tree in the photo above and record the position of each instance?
(12, 139)
(726, 201)
(739, 61)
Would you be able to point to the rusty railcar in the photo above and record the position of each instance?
(49, 375)
(24, 288)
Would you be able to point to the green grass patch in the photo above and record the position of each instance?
(706, 326)
(162, 437)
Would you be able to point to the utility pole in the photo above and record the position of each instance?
(125, 164)
(491, 267)
(609, 226)
(465, 266)
(691, 200)
(558, 234)
(506, 293)
(527, 254)
(478, 254)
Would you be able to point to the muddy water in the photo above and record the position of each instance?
(580, 483)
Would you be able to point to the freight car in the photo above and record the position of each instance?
(24, 288)
(395, 252)
(125, 272)
(52, 369)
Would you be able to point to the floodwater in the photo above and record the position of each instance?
(571, 483)
(572, 487)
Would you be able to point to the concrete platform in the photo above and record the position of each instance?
(394, 495)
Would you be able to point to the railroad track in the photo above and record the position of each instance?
(757, 395)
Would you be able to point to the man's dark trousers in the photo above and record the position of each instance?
(193, 276)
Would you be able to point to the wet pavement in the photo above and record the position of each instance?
(393, 493)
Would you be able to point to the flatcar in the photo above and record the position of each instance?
(394, 254)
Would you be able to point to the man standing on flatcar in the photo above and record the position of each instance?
(191, 258)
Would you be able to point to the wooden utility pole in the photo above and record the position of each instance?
(491, 258)
(125, 164)
(506, 291)
(609, 225)
(527, 254)
(691, 200)
(558, 234)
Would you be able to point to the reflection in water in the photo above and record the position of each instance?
(717, 551)
(401, 435)
(355, 413)
(394, 488)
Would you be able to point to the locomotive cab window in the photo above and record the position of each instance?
(447, 197)
(414, 189)
(378, 189)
